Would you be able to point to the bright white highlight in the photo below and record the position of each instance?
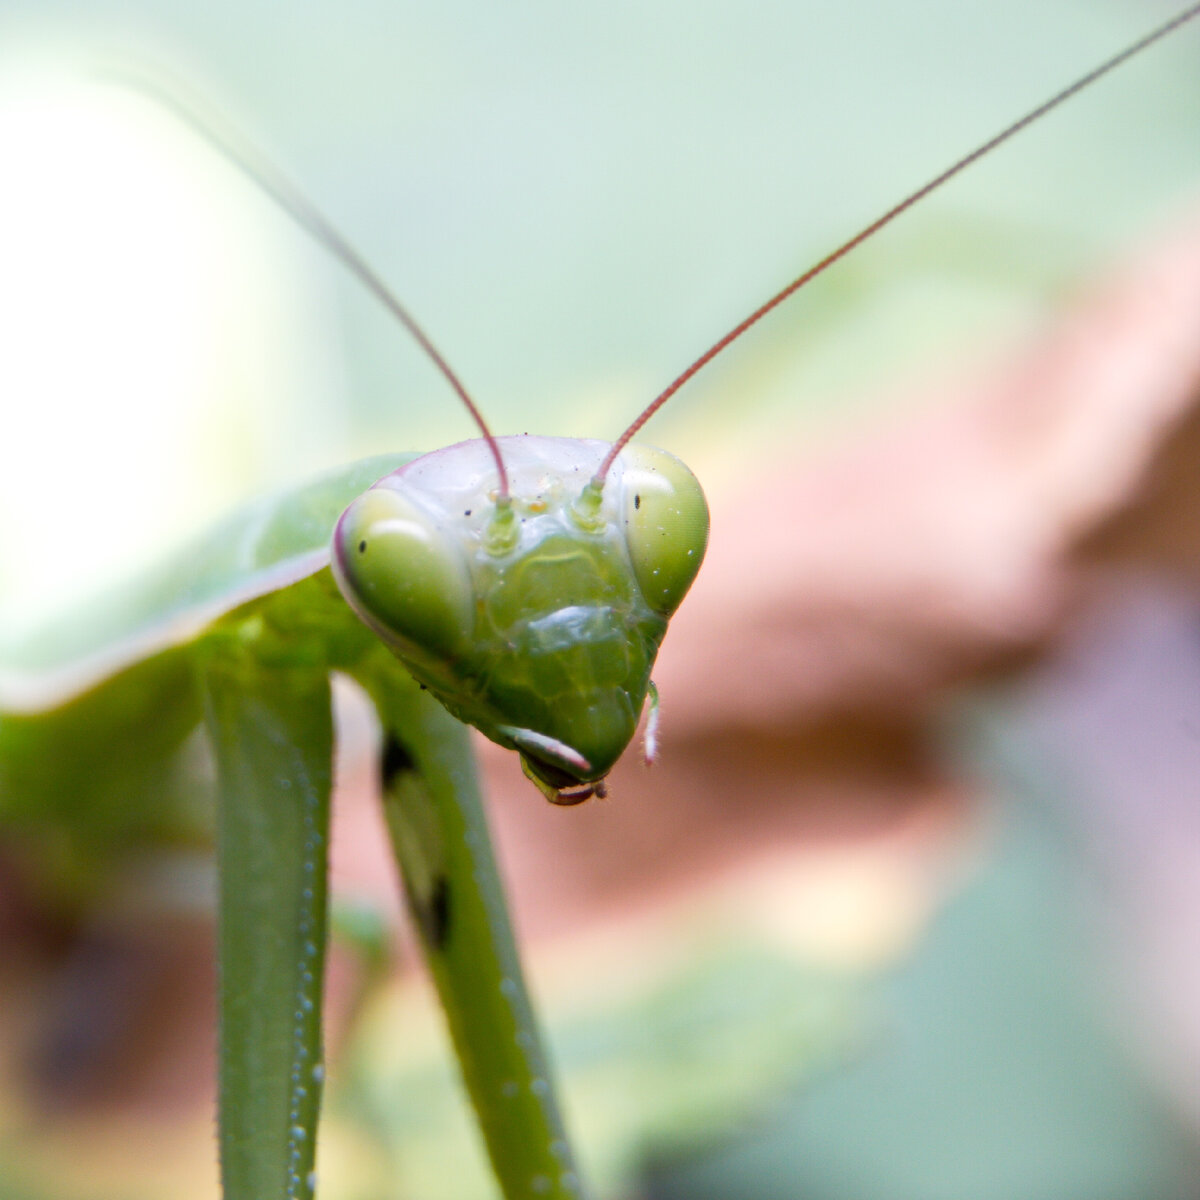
(150, 359)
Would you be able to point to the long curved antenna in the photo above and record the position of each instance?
(257, 167)
(886, 219)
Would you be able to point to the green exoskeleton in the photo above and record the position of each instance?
(534, 612)
(521, 585)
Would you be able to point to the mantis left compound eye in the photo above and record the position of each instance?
(403, 575)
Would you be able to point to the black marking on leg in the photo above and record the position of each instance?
(433, 913)
(394, 760)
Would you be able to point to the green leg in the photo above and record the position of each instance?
(271, 729)
(440, 839)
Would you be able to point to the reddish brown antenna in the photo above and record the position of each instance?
(888, 217)
(257, 167)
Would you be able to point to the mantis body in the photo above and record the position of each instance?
(522, 585)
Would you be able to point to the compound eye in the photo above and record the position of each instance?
(401, 573)
(666, 525)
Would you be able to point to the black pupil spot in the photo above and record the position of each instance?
(362, 547)
(467, 513)
(637, 502)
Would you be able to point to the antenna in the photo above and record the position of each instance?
(886, 219)
(258, 168)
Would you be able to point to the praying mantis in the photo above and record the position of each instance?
(246, 646)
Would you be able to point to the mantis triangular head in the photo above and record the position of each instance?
(536, 616)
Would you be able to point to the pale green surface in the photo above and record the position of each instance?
(277, 539)
(272, 732)
(441, 842)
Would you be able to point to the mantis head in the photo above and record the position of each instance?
(534, 614)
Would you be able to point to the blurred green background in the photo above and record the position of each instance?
(576, 200)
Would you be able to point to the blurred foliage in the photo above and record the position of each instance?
(999, 1073)
(693, 1050)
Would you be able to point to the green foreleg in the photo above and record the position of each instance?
(440, 839)
(271, 729)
